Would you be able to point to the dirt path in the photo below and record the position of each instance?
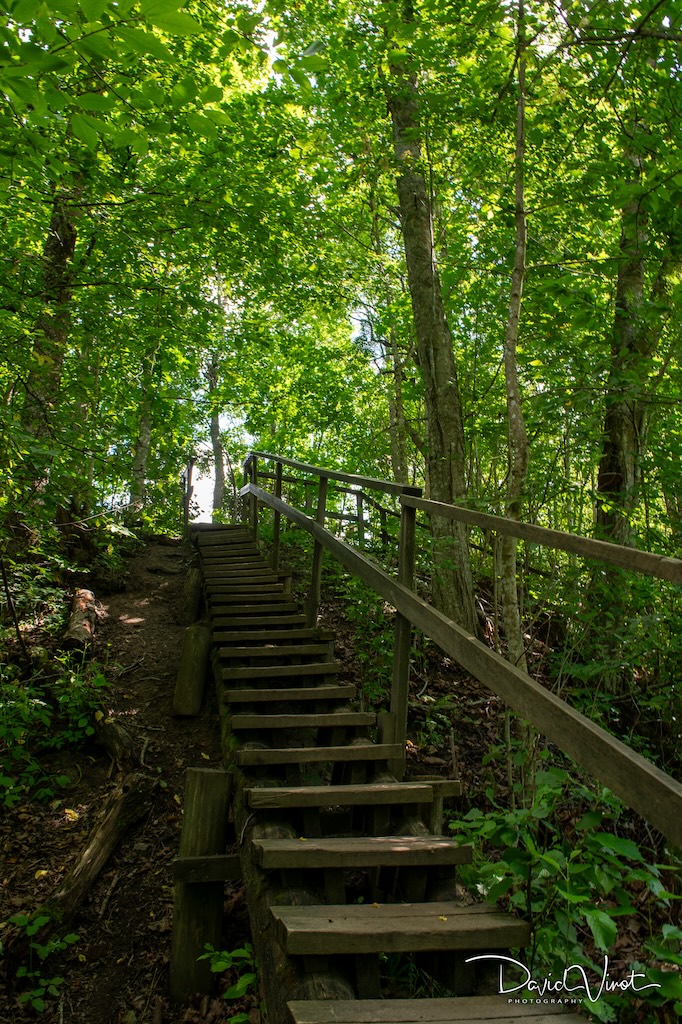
(117, 972)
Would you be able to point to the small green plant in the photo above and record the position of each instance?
(241, 962)
(44, 714)
(33, 978)
(559, 866)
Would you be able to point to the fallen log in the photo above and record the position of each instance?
(81, 628)
(124, 808)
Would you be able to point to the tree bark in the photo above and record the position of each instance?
(633, 342)
(517, 438)
(52, 327)
(81, 628)
(452, 581)
(216, 442)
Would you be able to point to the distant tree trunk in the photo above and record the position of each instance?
(52, 327)
(138, 472)
(634, 339)
(216, 441)
(518, 454)
(453, 584)
(396, 411)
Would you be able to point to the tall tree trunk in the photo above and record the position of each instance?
(143, 442)
(52, 327)
(452, 583)
(518, 455)
(216, 441)
(633, 341)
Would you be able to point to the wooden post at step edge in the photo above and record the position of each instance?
(192, 671)
(198, 907)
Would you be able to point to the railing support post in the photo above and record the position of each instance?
(403, 637)
(253, 477)
(360, 499)
(277, 518)
(316, 582)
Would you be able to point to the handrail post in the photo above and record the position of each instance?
(245, 499)
(277, 518)
(316, 582)
(403, 637)
(360, 500)
(253, 478)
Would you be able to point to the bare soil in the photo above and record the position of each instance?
(117, 973)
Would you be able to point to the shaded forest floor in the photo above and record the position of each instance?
(117, 971)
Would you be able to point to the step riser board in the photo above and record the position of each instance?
(294, 693)
(386, 851)
(319, 755)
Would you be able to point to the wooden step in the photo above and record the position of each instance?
(257, 621)
(281, 651)
(222, 560)
(269, 636)
(352, 752)
(462, 1010)
(248, 588)
(368, 795)
(251, 599)
(317, 668)
(294, 693)
(345, 719)
(364, 852)
(216, 552)
(257, 574)
(396, 928)
(220, 612)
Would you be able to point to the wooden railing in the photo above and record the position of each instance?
(637, 781)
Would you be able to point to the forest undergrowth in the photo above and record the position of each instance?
(549, 843)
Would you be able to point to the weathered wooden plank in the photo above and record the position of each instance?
(276, 651)
(270, 635)
(463, 1010)
(259, 587)
(320, 668)
(382, 851)
(256, 574)
(332, 719)
(615, 554)
(318, 755)
(198, 908)
(192, 671)
(249, 600)
(372, 484)
(644, 787)
(216, 868)
(221, 610)
(395, 928)
(294, 693)
(342, 796)
(261, 619)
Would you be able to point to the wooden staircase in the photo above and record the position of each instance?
(320, 815)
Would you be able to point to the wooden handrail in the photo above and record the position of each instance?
(663, 567)
(387, 486)
(638, 782)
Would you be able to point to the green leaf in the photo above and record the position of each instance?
(603, 928)
(202, 125)
(624, 847)
(93, 9)
(176, 23)
(82, 130)
(139, 41)
(95, 101)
